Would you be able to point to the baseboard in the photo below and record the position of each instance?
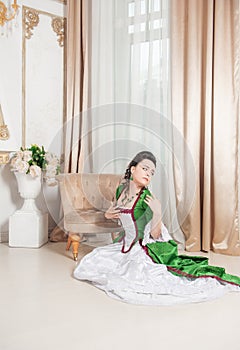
(3, 237)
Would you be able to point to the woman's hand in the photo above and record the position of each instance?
(112, 212)
(154, 204)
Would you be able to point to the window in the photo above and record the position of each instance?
(146, 16)
(147, 27)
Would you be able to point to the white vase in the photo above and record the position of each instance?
(28, 226)
(29, 188)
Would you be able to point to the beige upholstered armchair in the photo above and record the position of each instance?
(85, 198)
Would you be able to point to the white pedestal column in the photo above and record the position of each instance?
(28, 229)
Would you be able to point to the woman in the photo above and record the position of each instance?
(142, 265)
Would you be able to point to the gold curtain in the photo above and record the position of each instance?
(205, 108)
(78, 77)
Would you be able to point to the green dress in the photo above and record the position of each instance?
(167, 252)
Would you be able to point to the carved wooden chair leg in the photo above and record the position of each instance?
(69, 242)
(74, 241)
(75, 246)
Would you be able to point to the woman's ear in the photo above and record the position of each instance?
(132, 169)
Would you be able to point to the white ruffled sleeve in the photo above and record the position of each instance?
(165, 236)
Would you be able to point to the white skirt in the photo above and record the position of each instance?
(134, 278)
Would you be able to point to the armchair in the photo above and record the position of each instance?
(85, 198)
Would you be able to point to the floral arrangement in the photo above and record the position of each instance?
(36, 160)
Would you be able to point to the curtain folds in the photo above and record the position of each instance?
(78, 77)
(205, 109)
(78, 97)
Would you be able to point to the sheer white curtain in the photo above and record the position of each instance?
(130, 97)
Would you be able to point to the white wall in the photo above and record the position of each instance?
(39, 111)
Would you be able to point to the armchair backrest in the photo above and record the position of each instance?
(87, 191)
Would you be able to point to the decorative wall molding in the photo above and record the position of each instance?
(58, 26)
(4, 132)
(30, 20)
(61, 1)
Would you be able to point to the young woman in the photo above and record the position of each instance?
(142, 266)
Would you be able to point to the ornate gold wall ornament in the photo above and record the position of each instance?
(4, 157)
(31, 20)
(26, 10)
(4, 133)
(62, 1)
(4, 15)
(58, 24)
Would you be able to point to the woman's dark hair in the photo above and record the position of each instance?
(137, 159)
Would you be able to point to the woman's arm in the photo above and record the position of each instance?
(156, 222)
(112, 213)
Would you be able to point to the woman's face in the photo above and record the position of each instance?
(143, 172)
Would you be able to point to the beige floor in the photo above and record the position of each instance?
(43, 307)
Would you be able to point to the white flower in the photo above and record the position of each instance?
(35, 170)
(19, 155)
(34, 160)
(27, 155)
(21, 165)
(13, 163)
(52, 159)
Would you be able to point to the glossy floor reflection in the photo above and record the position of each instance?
(43, 307)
